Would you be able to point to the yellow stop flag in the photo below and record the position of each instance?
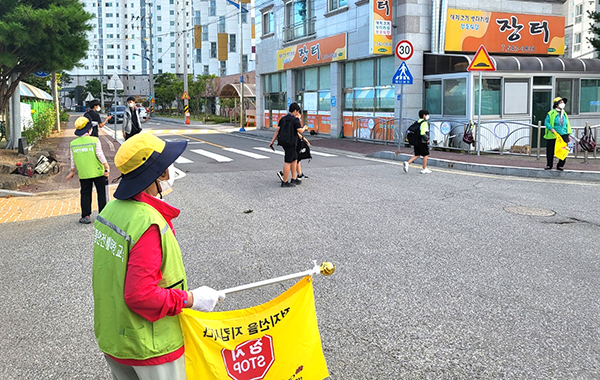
(276, 340)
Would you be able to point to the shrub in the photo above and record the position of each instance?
(64, 115)
(42, 127)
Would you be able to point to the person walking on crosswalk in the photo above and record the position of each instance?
(287, 137)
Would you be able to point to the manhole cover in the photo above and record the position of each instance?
(529, 211)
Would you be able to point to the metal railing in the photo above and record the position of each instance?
(300, 29)
(517, 137)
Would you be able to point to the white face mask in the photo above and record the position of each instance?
(426, 117)
(561, 106)
(131, 105)
(168, 184)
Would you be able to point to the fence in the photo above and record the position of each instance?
(496, 136)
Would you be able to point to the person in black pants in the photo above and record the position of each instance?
(94, 117)
(132, 121)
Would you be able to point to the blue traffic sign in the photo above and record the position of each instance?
(289, 101)
(333, 101)
(402, 75)
(41, 74)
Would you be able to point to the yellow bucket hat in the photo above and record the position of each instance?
(82, 125)
(557, 100)
(141, 160)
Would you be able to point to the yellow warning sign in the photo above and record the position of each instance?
(185, 96)
(481, 61)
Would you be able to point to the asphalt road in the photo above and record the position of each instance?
(437, 277)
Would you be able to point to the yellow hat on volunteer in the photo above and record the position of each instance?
(557, 100)
(141, 160)
(82, 125)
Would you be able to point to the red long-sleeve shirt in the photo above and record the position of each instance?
(142, 293)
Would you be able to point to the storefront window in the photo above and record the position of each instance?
(564, 89)
(455, 97)
(363, 99)
(385, 99)
(311, 79)
(385, 71)
(364, 74)
(349, 75)
(324, 100)
(490, 97)
(590, 95)
(348, 101)
(433, 97)
(516, 97)
(324, 77)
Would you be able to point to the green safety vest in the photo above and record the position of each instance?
(552, 114)
(121, 332)
(83, 150)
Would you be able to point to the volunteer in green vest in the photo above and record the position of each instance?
(139, 281)
(92, 168)
(556, 121)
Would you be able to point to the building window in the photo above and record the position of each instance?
(212, 9)
(206, 70)
(205, 34)
(590, 93)
(232, 46)
(221, 25)
(223, 68)
(516, 97)
(172, 55)
(578, 13)
(198, 55)
(172, 65)
(455, 97)
(213, 50)
(336, 4)
(267, 23)
(244, 17)
(159, 18)
(564, 89)
(172, 13)
(490, 96)
(198, 18)
(160, 50)
(299, 21)
(433, 97)
(158, 7)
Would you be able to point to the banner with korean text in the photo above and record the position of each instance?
(380, 24)
(314, 52)
(511, 33)
(276, 340)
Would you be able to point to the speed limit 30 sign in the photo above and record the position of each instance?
(404, 50)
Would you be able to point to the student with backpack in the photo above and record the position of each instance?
(286, 134)
(418, 137)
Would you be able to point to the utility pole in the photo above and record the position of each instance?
(186, 107)
(55, 99)
(241, 69)
(101, 80)
(151, 59)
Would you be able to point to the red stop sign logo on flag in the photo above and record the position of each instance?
(250, 360)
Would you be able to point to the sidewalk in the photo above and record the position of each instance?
(506, 164)
(56, 196)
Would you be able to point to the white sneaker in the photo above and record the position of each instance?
(425, 171)
(405, 167)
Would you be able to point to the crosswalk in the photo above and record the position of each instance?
(225, 154)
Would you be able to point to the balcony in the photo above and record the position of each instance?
(299, 30)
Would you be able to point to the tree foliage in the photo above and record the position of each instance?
(93, 87)
(595, 30)
(38, 35)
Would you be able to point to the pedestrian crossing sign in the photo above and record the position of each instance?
(403, 75)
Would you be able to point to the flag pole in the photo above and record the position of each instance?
(326, 269)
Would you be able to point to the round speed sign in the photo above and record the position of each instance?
(404, 50)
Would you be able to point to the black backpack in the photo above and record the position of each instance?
(303, 150)
(587, 142)
(413, 133)
(286, 131)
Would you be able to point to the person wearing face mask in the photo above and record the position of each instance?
(422, 147)
(94, 117)
(139, 280)
(132, 124)
(556, 121)
(92, 168)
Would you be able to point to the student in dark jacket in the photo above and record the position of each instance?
(291, 154)
(94, 117)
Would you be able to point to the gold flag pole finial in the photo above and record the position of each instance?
(327, 268)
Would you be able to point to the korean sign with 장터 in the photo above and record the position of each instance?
(314, 52)
(511, 33)
(380, 23)
(273, 341)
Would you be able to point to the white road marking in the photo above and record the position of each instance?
(268, 150)
(243, 152)
(183, 160)
(322, 154)
(214, 156)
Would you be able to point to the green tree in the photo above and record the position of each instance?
(93, 87)
(37, 35)
(167, 89)
(595, 30)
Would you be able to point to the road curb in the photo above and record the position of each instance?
(496, 169)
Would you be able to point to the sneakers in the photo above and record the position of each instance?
(85, 220)
(287, 184)
(296, 181)
(280, 175)
(302, 176)
(405, 167)
(425, 171)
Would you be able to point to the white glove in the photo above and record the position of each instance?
(206, 298)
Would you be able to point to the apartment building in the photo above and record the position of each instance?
(577, 29)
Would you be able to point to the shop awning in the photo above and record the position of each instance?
(30, 91)
(455, 63)
(232, 90)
